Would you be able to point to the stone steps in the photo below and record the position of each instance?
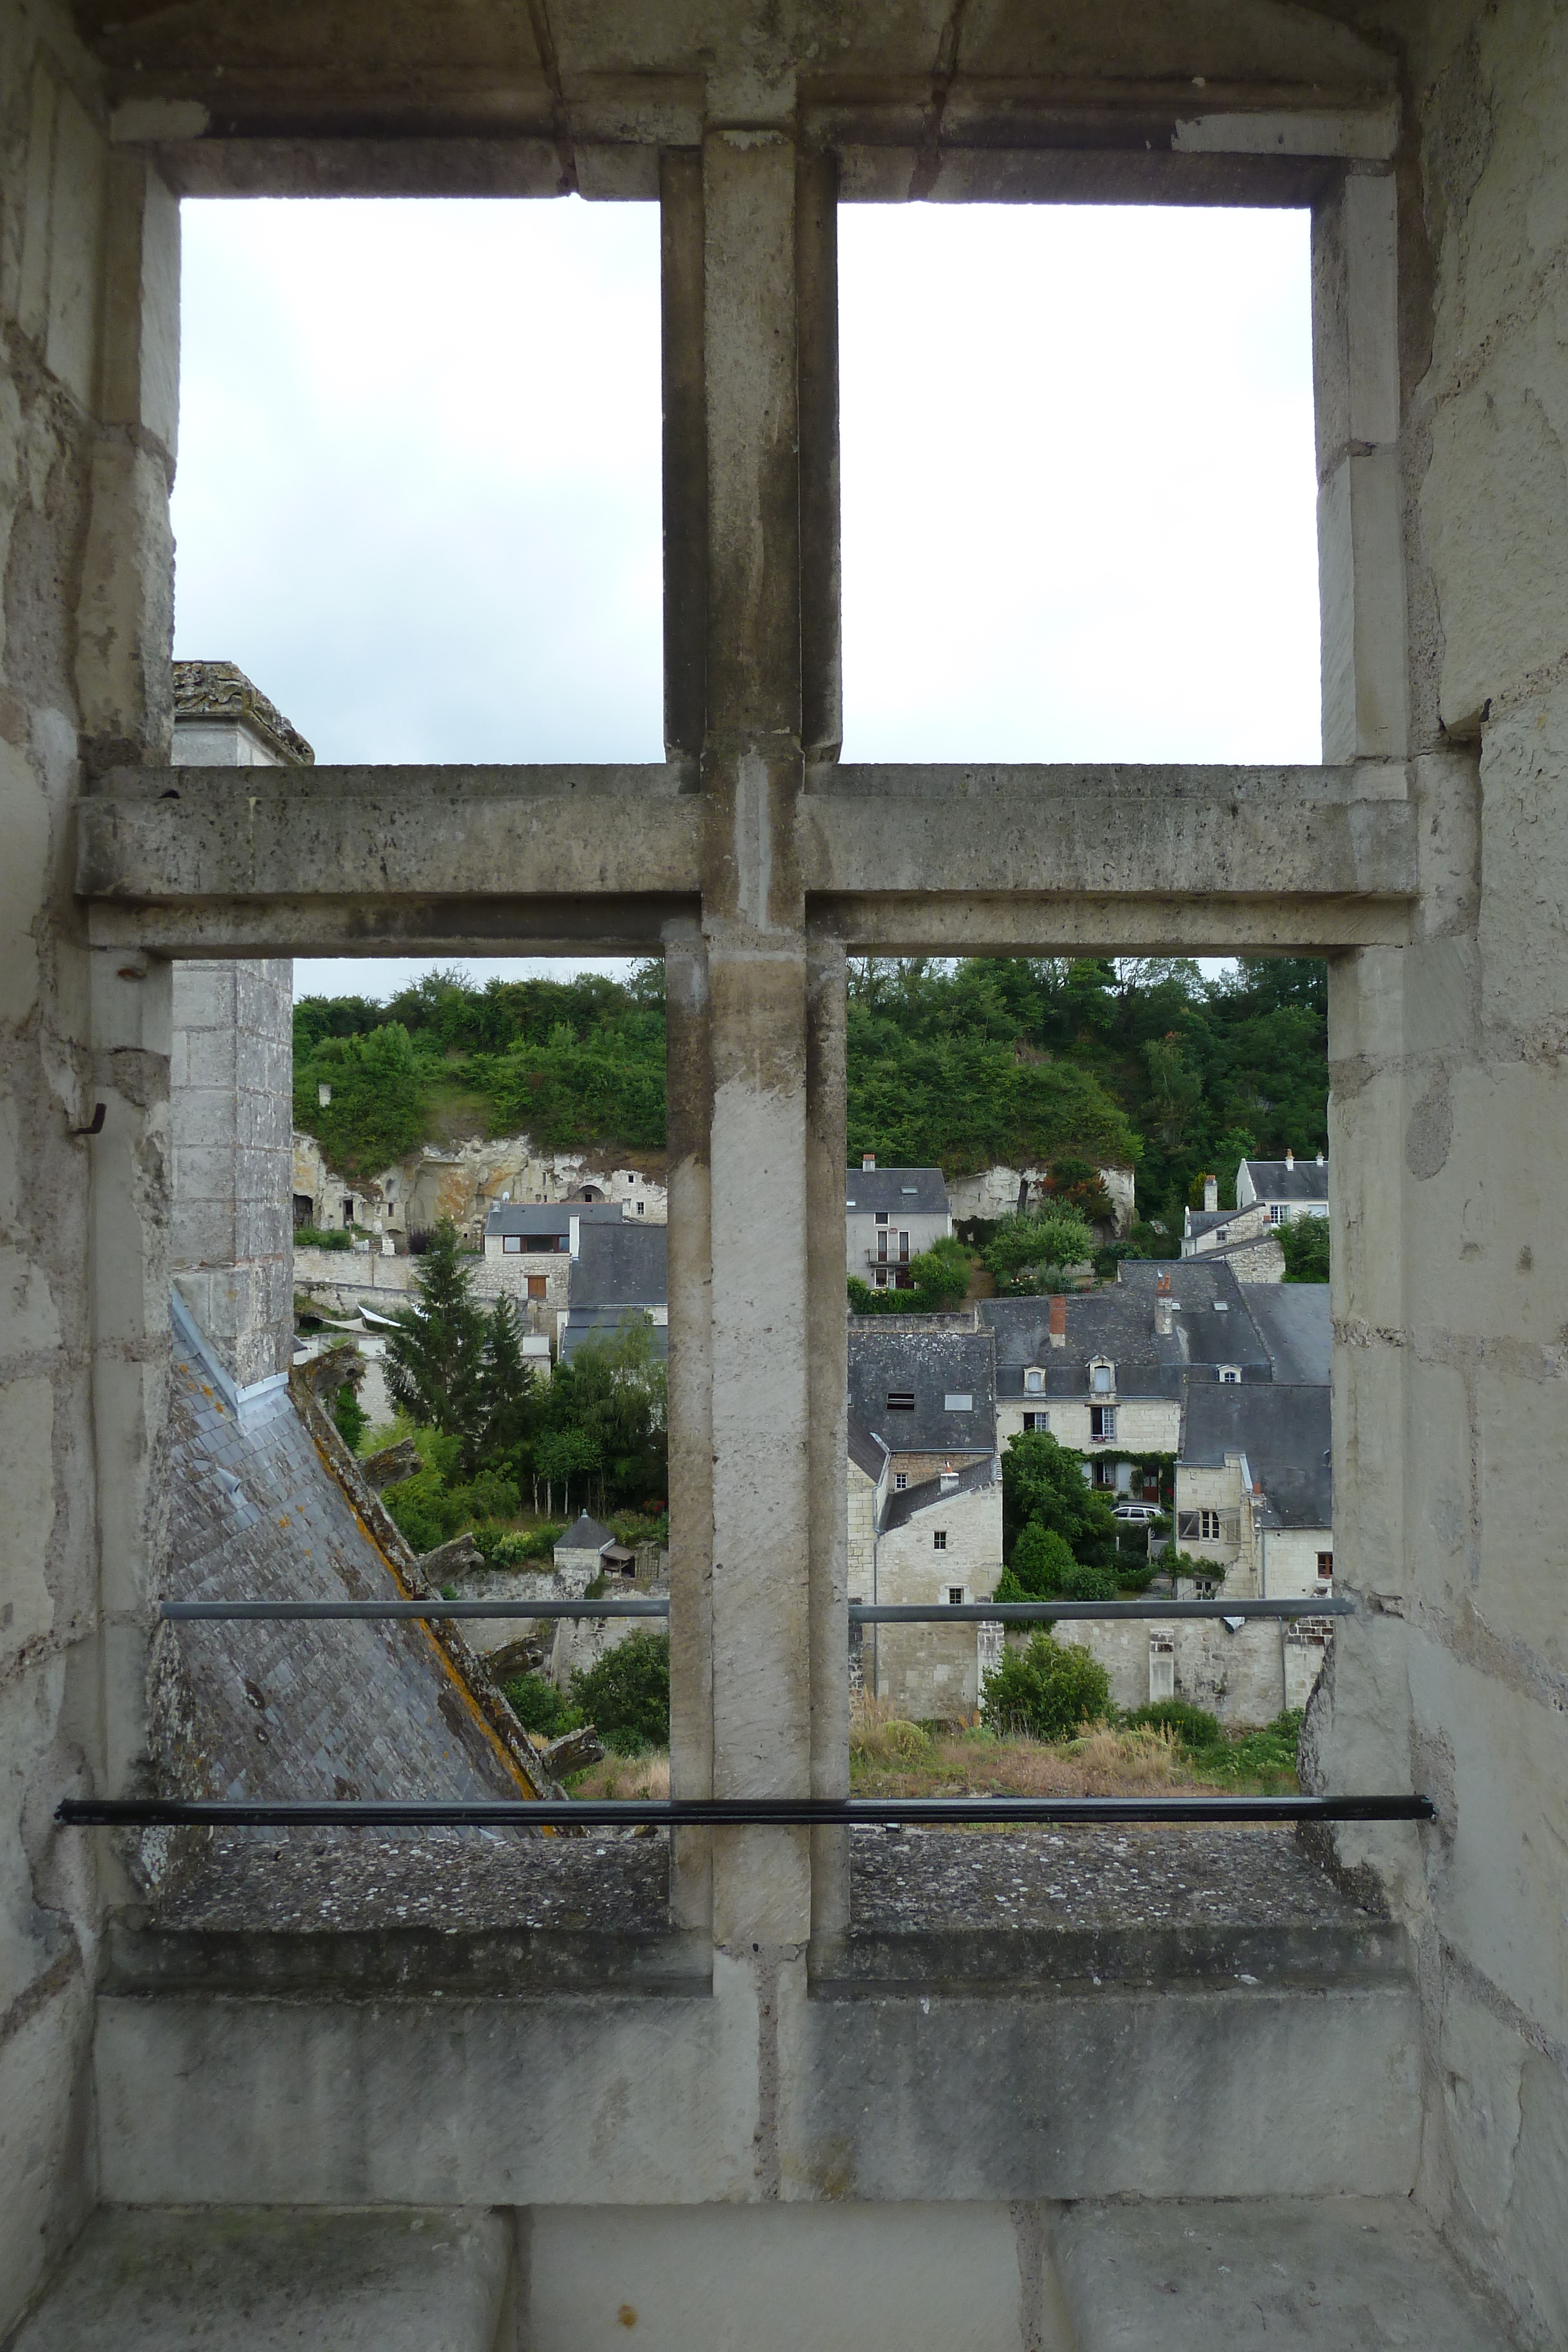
(276, 2279)
(1336, 2275)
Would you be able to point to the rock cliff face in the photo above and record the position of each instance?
(462, 1182)
(994, 1192)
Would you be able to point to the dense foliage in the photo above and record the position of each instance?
(1305, 1242)
(626, 1696)
(1043, 1484)
(938, 1281)
(596, 1430)
(1048, 1690)
(1136, 1060)
(1027, 1255)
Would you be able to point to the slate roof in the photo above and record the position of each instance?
(620, 1263)
(1211, 1325)
(1293, 1322)
(1272, 1180)
(865, 1452)
(901, 1507)
(550, 1216)
(583, 1324)
(902, 1192)
(1208, 1221)
(1282, 1429)
(932, 1366)
(584, 1534)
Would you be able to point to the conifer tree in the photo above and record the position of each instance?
(435, 1357)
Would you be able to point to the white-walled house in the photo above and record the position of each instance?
(1286, 1189)
(891, 1215)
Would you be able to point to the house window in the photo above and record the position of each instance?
(1229, 1372)
(955, 1596)
(900, 1481)
(511, 1243)
(1104, 1475)
(1208, 1526)
(955, 1401)
(1101, 1424)
(1325, 1565)
(1102, 1379)
(882, 1216)
(901, 1399)
(1033, 1381)
(1277, 1213)
(539, 1287)
(1037, 1421)
(639, 1208)
(939, 1540)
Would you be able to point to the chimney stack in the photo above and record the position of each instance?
(1165, 1307)
(1320, 1159)
(1211, 1194)
(1290, 1157)
(1058, 1331)
(868, 1159)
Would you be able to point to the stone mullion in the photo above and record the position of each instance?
(826, 1385)
(753, 921)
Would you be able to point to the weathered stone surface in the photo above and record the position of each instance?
(433, 2281)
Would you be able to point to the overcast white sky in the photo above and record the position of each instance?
(418, 491)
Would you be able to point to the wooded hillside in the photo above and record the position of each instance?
(1138, 1061)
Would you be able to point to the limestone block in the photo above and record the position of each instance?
(1341, 2274)
(1522, 1588)
(76, 248)
(125, 619)
(25, 823)
(262, 2280)
(27, 1523)
(1361, 573)
(1494, 513)
(1483, 2064)
(1498, 1901)
(1482, 1219)
(774, 2277)
(1523, 926)
(44, 2134)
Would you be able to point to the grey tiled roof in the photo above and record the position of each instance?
(865, 1452)
(1293, 1322)
(1208, 1221)
(899, 1191)
(1210, 1326)
(901, 1507)
(930, 1366)
(584, 1324)
(1272, 1180)
(550, 1216)
(584, 1534)
(1283, 1429)
(619, 1263)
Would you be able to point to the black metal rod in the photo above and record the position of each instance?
(184, 1609)
(726, 1812)
(965, 1612)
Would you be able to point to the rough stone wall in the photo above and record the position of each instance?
(929, 1670)
(232, 1082)
(1449, 1134)
(1240, 1676)
(1144, 1424)
(88, 282)
(994, 1192)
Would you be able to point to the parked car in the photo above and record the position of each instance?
(1137, 1514)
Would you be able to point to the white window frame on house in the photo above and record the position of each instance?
(1278, 1213)
(1032, 1421)
(1208, 1526)
(511, 1245)
(956, 1596)
(1101, 1377)
(1231, 1374)
(1101, 1425)
(1033, 1381)
(900, 1481)
(939, 1540)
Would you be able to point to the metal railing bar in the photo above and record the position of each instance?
(966, 1612)
(725, 1812)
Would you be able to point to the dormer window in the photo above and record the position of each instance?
(1230, 1372)
(1033, 1381)
(1102, 1378)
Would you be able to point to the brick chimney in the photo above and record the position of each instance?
(1059, 1323)
(1211, 1194)
(868, 1159)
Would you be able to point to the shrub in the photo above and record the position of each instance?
(539, 1707)
(492, 1497)
(351, 1418)
(1305, 1242)
(1046, 1691)
(1028, 1253)
(1193, 1725)
(425, 1509)
(1082, 1583)
(1042, 1558)
(626, 1696)
(315, 1237)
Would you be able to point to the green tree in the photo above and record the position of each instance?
(613, 1394)
(1041, 1559)
(562, 1455)
(350, 1417)
(1048, 1691)
(1043, 1480)
(1026, 1254)
(508, 1401)
(434, 1362)
(378, 1098)
(939, 1281)
(1305, 1242)
(626, 1696)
